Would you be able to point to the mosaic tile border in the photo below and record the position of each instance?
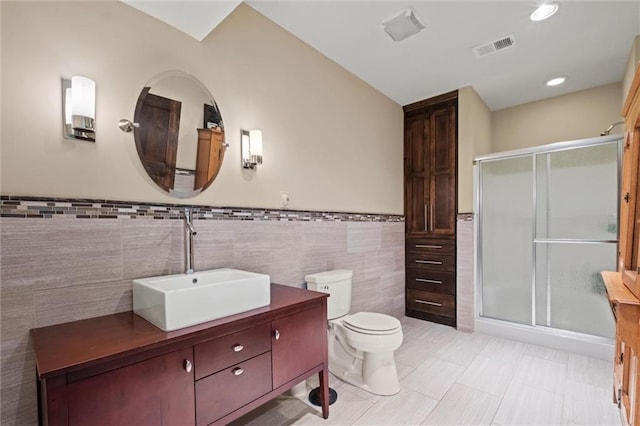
(47, 208)
(467, 217)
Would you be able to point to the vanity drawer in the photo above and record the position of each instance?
(439, 282)
(432, 262)
(230, 389)
(430, 245)
(221, 353)
(431, 302)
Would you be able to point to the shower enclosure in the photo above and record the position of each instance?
(547, 224)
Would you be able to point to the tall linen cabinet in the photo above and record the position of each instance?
(430, 181)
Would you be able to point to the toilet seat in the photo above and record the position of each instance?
(372, 323)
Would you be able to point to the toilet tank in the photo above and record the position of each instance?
(338, 285)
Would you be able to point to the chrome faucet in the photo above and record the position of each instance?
(190, 231)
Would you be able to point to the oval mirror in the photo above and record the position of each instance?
(179, 134)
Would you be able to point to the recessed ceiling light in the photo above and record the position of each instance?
(403, 25)
(544, 11)
(556, 81)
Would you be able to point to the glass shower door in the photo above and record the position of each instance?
(506, 233)
(576, 237)
(547, 226)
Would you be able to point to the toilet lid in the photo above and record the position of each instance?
(372, 323)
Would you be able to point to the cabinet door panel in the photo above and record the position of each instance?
(298, 344)
(443, 142)
(443, 213)
(430, 172)
(417, 208)
(416, 147)
(158, 391)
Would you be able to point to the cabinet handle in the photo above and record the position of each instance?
(424, 280)
(428, 246)
(237, 371)
(431, 217)
(276, 334)
(426, 222)
(429, 262)
(188, 366)
(426, 302)
(237, 348)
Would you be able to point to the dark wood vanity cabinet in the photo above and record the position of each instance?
(120, 369)
(430, 172)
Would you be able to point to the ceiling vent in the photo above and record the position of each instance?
(494, 46)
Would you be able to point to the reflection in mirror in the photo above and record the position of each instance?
(180, 133)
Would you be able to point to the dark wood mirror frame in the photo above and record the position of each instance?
(167, 121)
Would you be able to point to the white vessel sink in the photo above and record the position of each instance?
(171, 302)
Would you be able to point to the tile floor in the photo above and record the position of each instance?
(451, 377)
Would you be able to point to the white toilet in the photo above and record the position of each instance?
(361, 345)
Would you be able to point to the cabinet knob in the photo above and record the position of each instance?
(237, 348)
(237, 371)
(188, 366)
(276, 334)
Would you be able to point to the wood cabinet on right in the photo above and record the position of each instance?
(623, 285)
(430, 170)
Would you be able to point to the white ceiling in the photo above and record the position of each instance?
(587, 41)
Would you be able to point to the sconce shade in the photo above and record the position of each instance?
(83, 97)
(79, 108)
(255, 142)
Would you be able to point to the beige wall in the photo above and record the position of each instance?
(474, 138)
(578, 115)
(632, 64)
(330, 140)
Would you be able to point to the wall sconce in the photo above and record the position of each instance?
(79, 108)
(251, 143)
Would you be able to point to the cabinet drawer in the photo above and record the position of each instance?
(430, 245)
(433, 262)
(221, 353)
(438, 282)
(221, 393)
(431, 302)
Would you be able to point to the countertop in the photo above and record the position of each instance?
(68, 347)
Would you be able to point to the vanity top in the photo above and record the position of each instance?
(68, 347)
